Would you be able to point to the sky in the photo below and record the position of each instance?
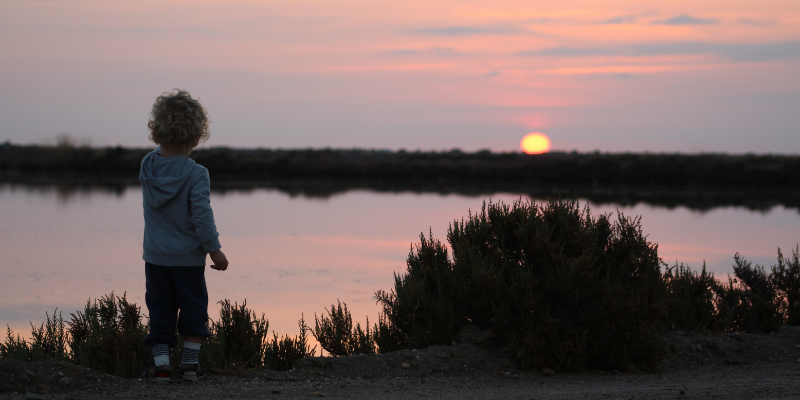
(613, 76)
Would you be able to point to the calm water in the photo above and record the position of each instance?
(292, 255)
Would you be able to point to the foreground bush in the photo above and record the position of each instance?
(238, 339)
(561, 288)
(690, 299)
(337, 335)
(786, 280)
(107, 336)
(752, 300)
(286, 352)
(748, 302)
(48, 342)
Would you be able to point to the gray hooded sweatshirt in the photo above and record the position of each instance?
(179, 225)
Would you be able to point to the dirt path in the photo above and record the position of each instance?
(699, 366)
(769, 381)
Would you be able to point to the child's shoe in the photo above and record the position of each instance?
(192, 372)
(156, 373)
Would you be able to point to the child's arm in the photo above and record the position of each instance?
(203, 218)
(219, 260)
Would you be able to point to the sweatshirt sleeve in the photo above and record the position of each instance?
(202, 216)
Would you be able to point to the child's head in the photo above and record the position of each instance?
(178, 121)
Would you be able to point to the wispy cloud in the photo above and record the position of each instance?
(470, 30)
(436, 51)
(547, 21)
(741, 52)
(624, 19)
(684, 19)
(447, 52)
(744, 52)
(569, 52)
(404, 52)
(624, 69)
(377, 68)
(143, 30)
(754, 22)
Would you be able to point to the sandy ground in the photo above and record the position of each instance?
(769, 381)
(698, 366)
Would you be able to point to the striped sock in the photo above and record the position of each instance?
(161, 354)
(191, 351)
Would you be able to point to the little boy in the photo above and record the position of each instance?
(179, 231)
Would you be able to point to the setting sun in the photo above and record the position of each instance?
(535, 143)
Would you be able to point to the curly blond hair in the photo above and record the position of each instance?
(178, 120)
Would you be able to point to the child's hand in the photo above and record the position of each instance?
(219, 260)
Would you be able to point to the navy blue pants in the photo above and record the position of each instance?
(170, 290)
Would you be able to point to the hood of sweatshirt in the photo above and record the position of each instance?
(163, 177)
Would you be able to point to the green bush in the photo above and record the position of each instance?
(690, 300)
(336, 334)
(786, 278)
(561, 287)
(285, 353)
(238, 339)
(48, 342)
(107, 335)
(750, 302)
(15, 347)
(388, 338)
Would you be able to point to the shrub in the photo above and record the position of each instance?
(388, 338)
(48, 341)
(108, 335)
(750, 302)
(690, 299)
(238, 339)
(562, 288)
(336, 334)
(15, 347)
(786, 278)
(285, 353)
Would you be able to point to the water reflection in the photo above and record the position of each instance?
(691, 198)
(295, 255)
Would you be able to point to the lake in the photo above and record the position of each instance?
(293, 255)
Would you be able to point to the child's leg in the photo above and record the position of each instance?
(192, 298)
(163, 310)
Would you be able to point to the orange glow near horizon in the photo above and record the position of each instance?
(535, 143)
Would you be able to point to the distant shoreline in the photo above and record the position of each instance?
(696, 181)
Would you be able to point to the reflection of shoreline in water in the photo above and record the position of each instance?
(696, 181)
(70, 185)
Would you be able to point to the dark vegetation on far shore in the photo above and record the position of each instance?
(556, 286)
(699, 181)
